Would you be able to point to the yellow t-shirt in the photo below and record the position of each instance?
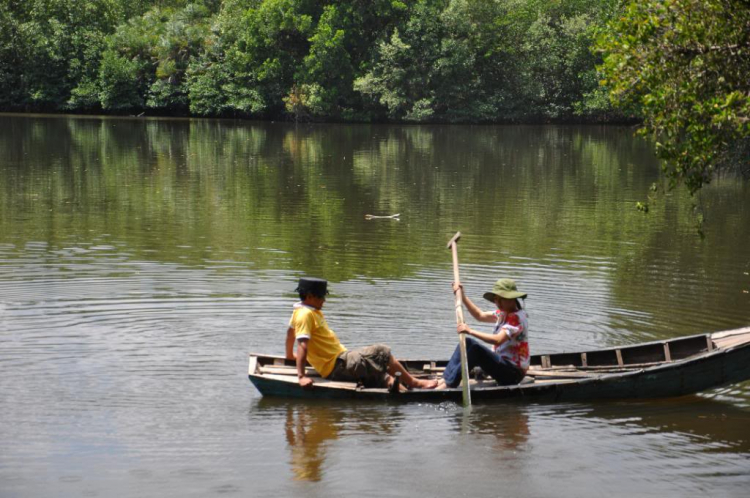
(323, 346)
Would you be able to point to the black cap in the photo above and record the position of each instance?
(315, 286)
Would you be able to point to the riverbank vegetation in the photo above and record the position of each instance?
(361, 60)
(683, 65)
(678, 66)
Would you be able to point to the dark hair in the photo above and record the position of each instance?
(303, 295)
(517, 300)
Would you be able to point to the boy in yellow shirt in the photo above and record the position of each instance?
(318, 345)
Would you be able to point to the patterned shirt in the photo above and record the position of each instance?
(516, 349)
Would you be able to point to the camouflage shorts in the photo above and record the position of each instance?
(368, 365)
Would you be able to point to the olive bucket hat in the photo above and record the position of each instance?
(506, 288)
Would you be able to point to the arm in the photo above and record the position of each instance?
(304, 381)
(478, 314)
(495, 339)
(290, 344)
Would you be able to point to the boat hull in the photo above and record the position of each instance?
(711, 369)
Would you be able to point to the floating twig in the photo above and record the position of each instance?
(374, 217)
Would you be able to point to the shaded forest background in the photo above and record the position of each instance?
(678, 67)
(350, 60)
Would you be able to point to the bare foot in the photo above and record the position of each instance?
(425, 384)
(441, 385)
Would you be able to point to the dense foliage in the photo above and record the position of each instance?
(404, 60)
(684, 65)
(679, 65)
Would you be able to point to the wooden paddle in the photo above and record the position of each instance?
(459, 320)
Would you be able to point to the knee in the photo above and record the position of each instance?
(472, 343)
(384, 353)
(381, 349)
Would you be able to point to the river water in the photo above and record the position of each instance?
(141, 260)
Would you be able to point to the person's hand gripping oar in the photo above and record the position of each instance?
(452, 245)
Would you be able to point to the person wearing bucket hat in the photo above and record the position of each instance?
(507, 358)
(504, 288)
(373, 366)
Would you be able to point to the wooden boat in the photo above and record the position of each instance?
(674, 367)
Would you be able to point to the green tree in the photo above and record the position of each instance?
(327, 72)
(424, 60)
(271, 47)
(50, 47)
(405, 64)
(481, 60)
(184, 35)
(209, 75)
(683, 65)
(146, 60)
(560, 67)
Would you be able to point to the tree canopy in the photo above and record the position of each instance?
(363, 60)
(679, 66)
(683, 66)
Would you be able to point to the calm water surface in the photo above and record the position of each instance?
(141, 260)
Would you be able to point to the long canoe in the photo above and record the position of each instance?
(674, 367)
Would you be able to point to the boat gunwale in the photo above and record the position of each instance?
(537, 384)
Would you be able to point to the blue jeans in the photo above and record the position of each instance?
(479, 355)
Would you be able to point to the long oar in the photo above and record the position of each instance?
(459, 320)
